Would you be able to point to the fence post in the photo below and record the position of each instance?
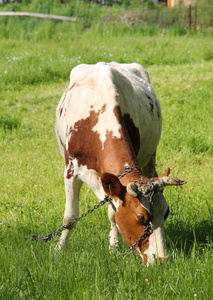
(195, 18)
(190, 16)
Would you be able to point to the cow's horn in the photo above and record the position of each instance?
(132, 189)
(166, 181)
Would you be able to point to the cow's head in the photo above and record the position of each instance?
(137, 205)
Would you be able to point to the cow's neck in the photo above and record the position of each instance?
(118, 154)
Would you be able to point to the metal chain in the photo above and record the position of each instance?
(55, 233)
(147, 231)
(128, 170)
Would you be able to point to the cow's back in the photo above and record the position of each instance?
(96, 90)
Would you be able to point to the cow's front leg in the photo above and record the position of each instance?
(113, 239)
(72, 189)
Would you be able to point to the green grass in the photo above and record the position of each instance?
(34, 72)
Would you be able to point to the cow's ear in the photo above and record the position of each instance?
(112, 185)
(165, 174)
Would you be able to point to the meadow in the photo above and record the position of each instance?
(35, 62)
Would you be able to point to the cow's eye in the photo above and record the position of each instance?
(141, 219)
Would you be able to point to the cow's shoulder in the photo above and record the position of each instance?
(131, 70)
(85, 75)
(84, 72)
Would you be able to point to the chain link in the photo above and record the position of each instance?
(128, 170)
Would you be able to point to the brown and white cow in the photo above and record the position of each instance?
(109, 118)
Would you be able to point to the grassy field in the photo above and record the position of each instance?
(34, 72)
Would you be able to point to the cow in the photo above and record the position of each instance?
(108, 125)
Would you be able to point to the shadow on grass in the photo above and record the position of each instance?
(184, 237)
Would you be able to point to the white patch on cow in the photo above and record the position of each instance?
(113, 237)
(156, 247)
(72, 189)
(116, 204)
(91, 178)
(103, 126)
(139, 251)
(126, 165)
(117, 226)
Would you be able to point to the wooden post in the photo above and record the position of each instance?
(195, 18)
(190, 16)
(37, 15)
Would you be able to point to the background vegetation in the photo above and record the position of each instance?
(129, 13)
(36, 57)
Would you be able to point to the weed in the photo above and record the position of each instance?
(8, 122)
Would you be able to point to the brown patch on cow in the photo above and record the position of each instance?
(102, 109)
(70, 170)
(60, 111)
(128, 224)
(145, 258)
(85, 145)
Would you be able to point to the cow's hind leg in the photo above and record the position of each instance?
(72, 190)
